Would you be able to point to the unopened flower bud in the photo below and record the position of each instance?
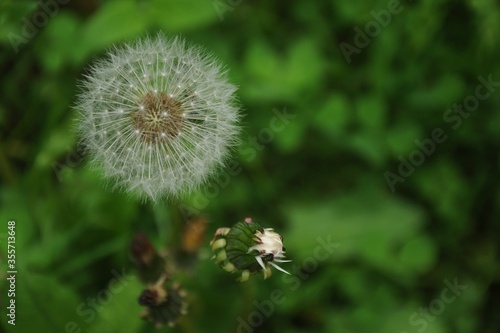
(248, 248)
(164, 304)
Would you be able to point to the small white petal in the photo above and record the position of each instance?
(261, 263)
(278, 268)
(281, 260)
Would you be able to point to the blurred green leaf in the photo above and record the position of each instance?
(262, 65)
(121, 311)
(43, 304)
(366, 225)
(334, 115)
(401, 137)
(291, 137)
(443, 93)
(181, 14)
(371, 113)
(370, 146)
(12, 16)
(301, 77)
(418, 254)
(445, 189)
(114, 22)
(56, 38)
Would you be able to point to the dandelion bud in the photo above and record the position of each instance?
(164, 304)
(248, 248)
(158, 116)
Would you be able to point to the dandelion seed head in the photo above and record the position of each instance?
(158, 117)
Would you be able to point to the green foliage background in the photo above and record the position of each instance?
(321, 176)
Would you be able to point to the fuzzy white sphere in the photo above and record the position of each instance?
(158, 116)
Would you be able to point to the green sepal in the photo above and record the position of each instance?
(239, 239)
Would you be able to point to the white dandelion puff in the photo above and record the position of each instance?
(158, 116)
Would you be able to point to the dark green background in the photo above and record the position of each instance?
(320, 176)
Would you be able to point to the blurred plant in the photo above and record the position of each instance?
(193, 234)
(163, 298)
(149, 264)
(158, 116)
(249, 248)
(164, 303)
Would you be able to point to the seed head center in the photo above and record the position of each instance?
(158, 117)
